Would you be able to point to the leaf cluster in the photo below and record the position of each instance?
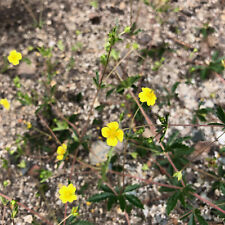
(124, 197)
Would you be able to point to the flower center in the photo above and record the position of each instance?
(68, 194)
(112, 133)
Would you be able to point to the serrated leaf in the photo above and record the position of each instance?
(105, 188)
(217, 124)
(171, 202)
(192, 220)
(174, 87)
(127, 83)
(222, 188)
(109, 92)
(182, 200)
(134, 200)
(172, 138)
(220, 113)
(111, 202)
(122, 202)
(200, 219)
(131, 187)
(166, 189)
(99, 197)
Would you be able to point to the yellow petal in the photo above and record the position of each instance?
(19, 56)
(113, 125)
(72, 198)
(119, 135)
(112, 141)
(142, 97)
(71, 188)
(62, 190)
(61, 150)
(60, 157)
(4, 102)
(105, 132)
(64, 146)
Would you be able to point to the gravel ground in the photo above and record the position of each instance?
(84, 29)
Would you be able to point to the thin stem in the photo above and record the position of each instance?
(65, 119)
(28, 209)
(65, 214)
(50, 130)
(192, 125)
(220, 77)
(128, 53)
(3, 214)
(127, 218)
(65, 219)
(131, 12)
(208, 202)
(27, 7)
(105, 67)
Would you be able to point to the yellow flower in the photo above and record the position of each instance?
(60, 157)
(61, 150)
(223, 63)
(147, 95)
(67, 193)
(112, 133)
(88, 203)
(4, 102)
(29, 125)
(14, 57)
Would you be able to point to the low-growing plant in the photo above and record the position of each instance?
(65, 140)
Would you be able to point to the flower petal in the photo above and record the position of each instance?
(113, 125)
(60, 150)
(60, 157)
(105, 132)
(72, 198)
(71, 188)
(112, 141)
(119, 135)
(62, 190)
(64, 146)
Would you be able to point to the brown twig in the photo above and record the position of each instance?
(65, 214)
(127, 218)
(208, 202)
(192, 125)
(220, 77)
(65, 119)
(50, 130)
(28, 209)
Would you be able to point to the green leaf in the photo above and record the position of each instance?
(122, 202)
(60, 45)
(200, 219)
(131, 187)
(105, 188)
(217, 124)
(99, 197)
(111, 202)
(109, 92)
(222, 187)
(134, 200)
(220, 113)
(166, 189)
(192, 220)
(127, 83)
(171, 202)
(174, 87)
(61, 125)
(172, 138)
